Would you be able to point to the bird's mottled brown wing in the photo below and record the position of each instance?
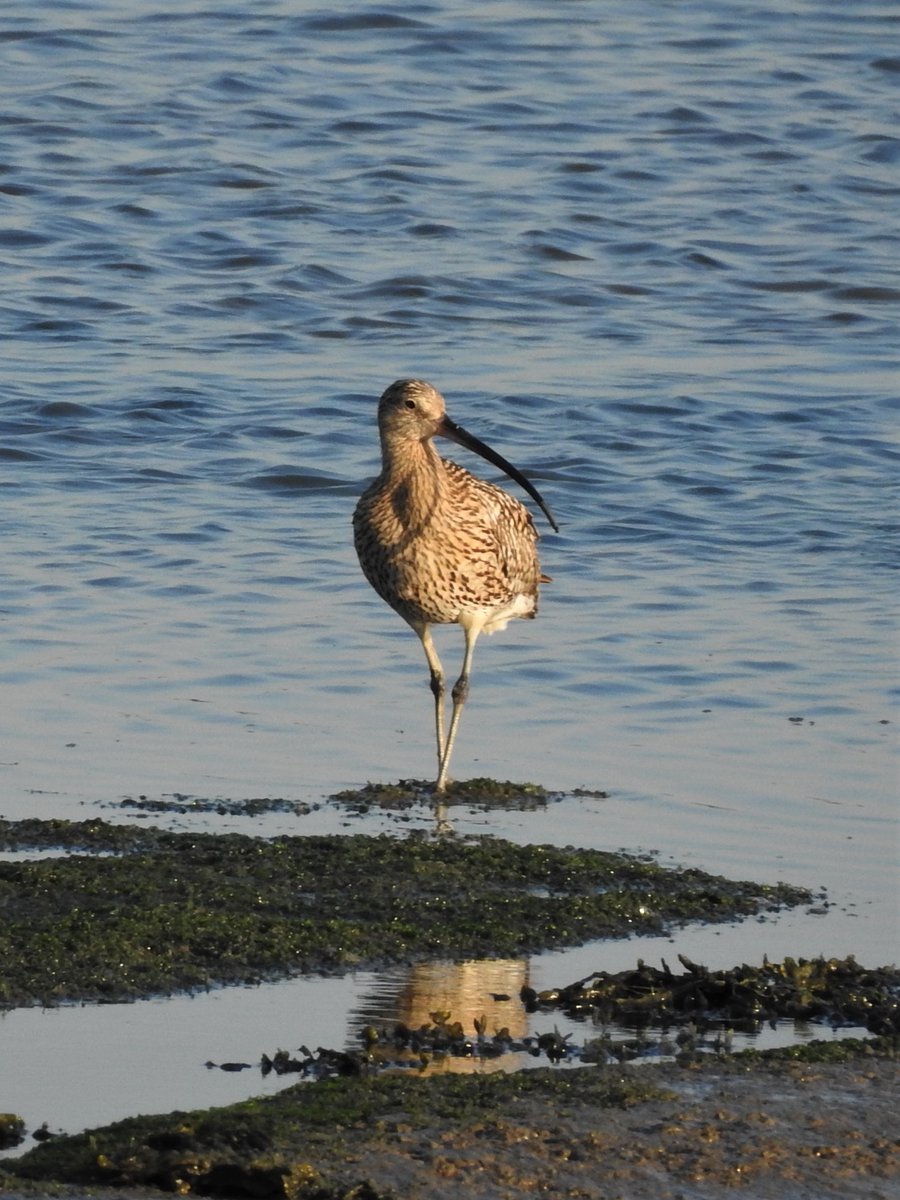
(501, 528)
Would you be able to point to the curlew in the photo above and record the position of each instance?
(442, 546)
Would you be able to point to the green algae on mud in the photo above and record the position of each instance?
(825, 1123)
(481, 793)
(222, 806)
(132, 912)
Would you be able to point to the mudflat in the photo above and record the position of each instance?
(784, 1125)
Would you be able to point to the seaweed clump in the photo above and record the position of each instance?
(705, 1007)
(222, 806)
(838, 992)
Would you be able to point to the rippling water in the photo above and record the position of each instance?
(647, 250)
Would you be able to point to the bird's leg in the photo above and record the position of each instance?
(437, 688)
(459, 694)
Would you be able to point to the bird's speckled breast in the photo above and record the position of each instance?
(438, 544)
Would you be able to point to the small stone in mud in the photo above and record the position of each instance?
(12, 1130)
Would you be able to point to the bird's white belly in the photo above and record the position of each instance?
(496, 618)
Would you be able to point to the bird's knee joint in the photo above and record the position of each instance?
(460, 691)
(437, 685)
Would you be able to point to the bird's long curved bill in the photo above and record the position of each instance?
(455, 433)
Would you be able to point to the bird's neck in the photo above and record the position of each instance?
(413, 475)
(402, 459)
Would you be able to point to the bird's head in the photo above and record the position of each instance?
(411, 410)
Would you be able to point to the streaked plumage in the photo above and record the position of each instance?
(440, 545)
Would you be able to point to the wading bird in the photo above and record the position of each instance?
(441, 546)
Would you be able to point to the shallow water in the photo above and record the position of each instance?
(647, 251)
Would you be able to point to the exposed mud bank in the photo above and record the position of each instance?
(131, 912)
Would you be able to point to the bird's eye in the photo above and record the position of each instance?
(410, 403)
